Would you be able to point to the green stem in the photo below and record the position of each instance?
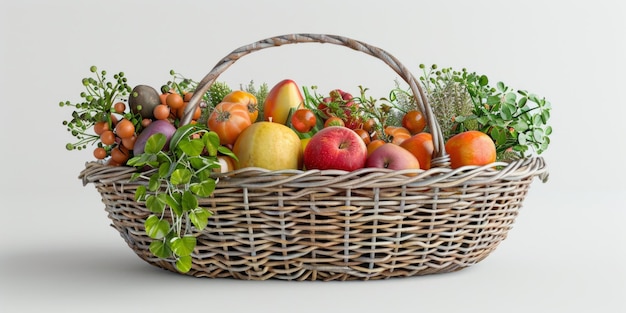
(524, 112)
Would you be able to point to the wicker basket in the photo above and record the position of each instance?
(336, 225)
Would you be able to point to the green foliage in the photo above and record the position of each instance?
(517, 121)
(259, 92)
(217, 92)
(181, 177)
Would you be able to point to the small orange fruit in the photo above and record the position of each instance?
(363, 134)
(373, 145)
(471, 148)
(414, 121)
(174, 101)
(421, 146)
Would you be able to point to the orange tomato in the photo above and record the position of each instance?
(245, 98)
(228, 120)
(470, 148)
(163, 97)
(129, 142)
(197, 113)
(373, 145)
(414, 121)
(394, 130)
(100, 127)
(107, 137)
(181, 112)
(397, 134)
(161, 112)
(119, 107)
(399, 138)
(174, 101)
(113, 120)
(421, 146)
(125, 129)
(119, 154)
(100, 153)
(369, 124)
(145, 122)
(363, 134)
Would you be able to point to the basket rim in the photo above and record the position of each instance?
(254, 177)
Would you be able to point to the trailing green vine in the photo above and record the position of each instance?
(181, 176)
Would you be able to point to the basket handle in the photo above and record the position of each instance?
(440, 158)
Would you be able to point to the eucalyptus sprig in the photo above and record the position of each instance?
(181, 176)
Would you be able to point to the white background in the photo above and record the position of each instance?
(567, 249)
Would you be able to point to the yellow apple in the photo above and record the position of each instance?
(268, 145)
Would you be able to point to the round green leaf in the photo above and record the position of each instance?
(160, 249)
(140, 193)
(204, 188)
(180, 176)
(174, 201)
(156, 228)
(155, 143)
(183, 264)
(192, 147)
(156, 203)
(200, 217)
(189, 201)
(183, 246)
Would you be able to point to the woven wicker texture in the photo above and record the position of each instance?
(335, 225)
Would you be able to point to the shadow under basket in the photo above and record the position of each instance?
(335, 225)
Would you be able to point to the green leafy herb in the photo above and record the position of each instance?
(181, 176)
(517, 121)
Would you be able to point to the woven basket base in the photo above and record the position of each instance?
(288, 232)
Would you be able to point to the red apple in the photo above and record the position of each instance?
(392, 156)
(335, 147)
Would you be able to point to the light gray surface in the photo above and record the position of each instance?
(566, 250)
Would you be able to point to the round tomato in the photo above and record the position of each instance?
(396, 134)
(373, 145)
(303, 120)
(470, 148)
(369, 125)
(100, 153)
(228, 120)
(414, 121)
(174, 101)
(334, 121)
(119, 154)
(364, 135)
(125, 129)
(247, 99)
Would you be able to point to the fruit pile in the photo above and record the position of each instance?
(296, 128)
